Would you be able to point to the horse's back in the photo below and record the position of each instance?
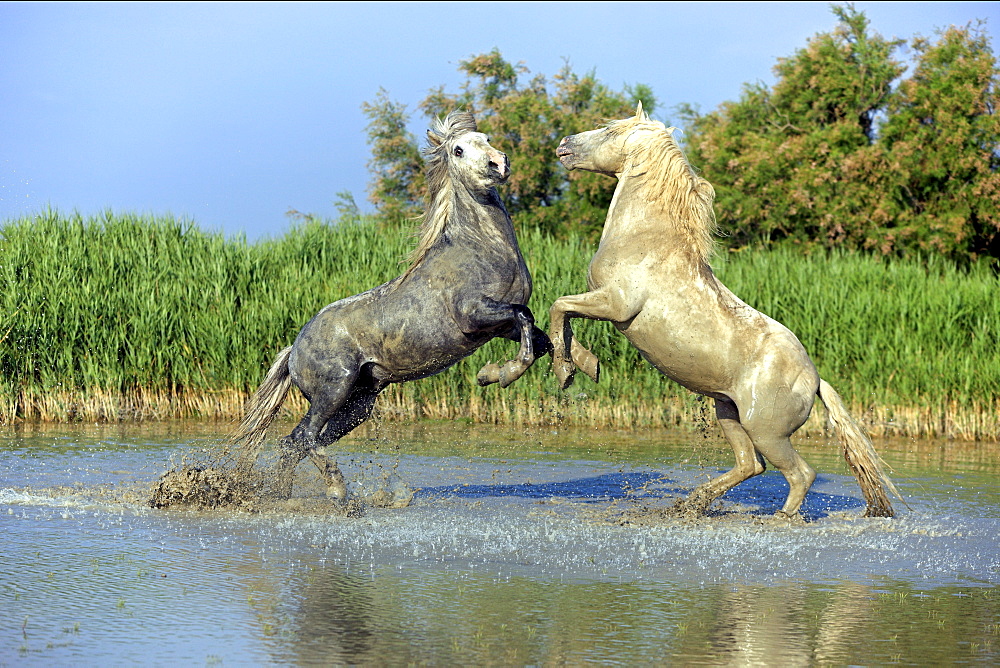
(402, 330)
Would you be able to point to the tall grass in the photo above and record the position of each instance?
(132, 308)
(121, 317)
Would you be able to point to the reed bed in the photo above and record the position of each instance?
(125, 317)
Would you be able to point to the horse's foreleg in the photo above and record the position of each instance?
(563, 342)
(585, 360)
(533, 343)
(568, 354)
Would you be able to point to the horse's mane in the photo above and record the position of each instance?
(667, 180)
(439, 185)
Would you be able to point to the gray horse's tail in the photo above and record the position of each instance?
(860, 454)
(261, 410)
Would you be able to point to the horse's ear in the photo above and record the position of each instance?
(437, 132)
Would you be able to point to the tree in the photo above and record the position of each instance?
(524, 118)
(786, 161)
(398, 189)
(941, 143)
(841, 153)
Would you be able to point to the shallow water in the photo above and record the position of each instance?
(519, 546)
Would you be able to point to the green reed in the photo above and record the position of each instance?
(126, 305)
(123, 301)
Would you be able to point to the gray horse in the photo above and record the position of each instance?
(651, 278)
(467, 283)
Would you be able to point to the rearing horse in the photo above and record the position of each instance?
(651, 278)
(467, 284)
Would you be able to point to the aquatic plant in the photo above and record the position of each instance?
(120, 317)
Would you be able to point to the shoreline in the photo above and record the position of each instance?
(946, 420)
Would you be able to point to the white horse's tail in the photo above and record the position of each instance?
(261, 410)
(860, 455)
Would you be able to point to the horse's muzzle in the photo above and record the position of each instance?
(564, 151)
(500, 163)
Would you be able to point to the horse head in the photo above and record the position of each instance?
(606, 150)
(643, 153)
(458, 152)
(459, 158)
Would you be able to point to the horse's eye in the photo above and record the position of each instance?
(458, 151)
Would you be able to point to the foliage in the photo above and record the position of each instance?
(524, 117)
(842, 153)
(123, 302)
(941, 143)
(398, 188)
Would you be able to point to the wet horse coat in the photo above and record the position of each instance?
(467, 284)
(651, 278)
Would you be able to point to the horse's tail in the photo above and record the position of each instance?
(860, 454)
(261, 410)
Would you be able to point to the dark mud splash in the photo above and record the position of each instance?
(204, 487)
(218, 484)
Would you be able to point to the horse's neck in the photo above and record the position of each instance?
(481, 219)
(631, 215)
(634, 223)
(634, 215)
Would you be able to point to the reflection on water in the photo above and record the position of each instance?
(519, 548)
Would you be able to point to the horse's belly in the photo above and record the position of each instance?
(693, 360)
(413, 357)
(397, 371)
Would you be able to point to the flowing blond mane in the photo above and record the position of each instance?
(665, 178)
(439, 185)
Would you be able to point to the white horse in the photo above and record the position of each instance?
(651, 278)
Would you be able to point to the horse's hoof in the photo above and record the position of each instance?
(337, 491)
(488, 375)
(510, 372)
(564, 373)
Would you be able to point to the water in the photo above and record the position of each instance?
(519, 547)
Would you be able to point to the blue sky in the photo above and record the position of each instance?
(229, 114)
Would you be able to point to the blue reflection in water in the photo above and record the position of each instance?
(607, 487)
(766, 492)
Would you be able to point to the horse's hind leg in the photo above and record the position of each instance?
(771, 433)
(292, 449)
(356, 410)
(748, 464)
(324, 404)
(778, 450)
(303, 442)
